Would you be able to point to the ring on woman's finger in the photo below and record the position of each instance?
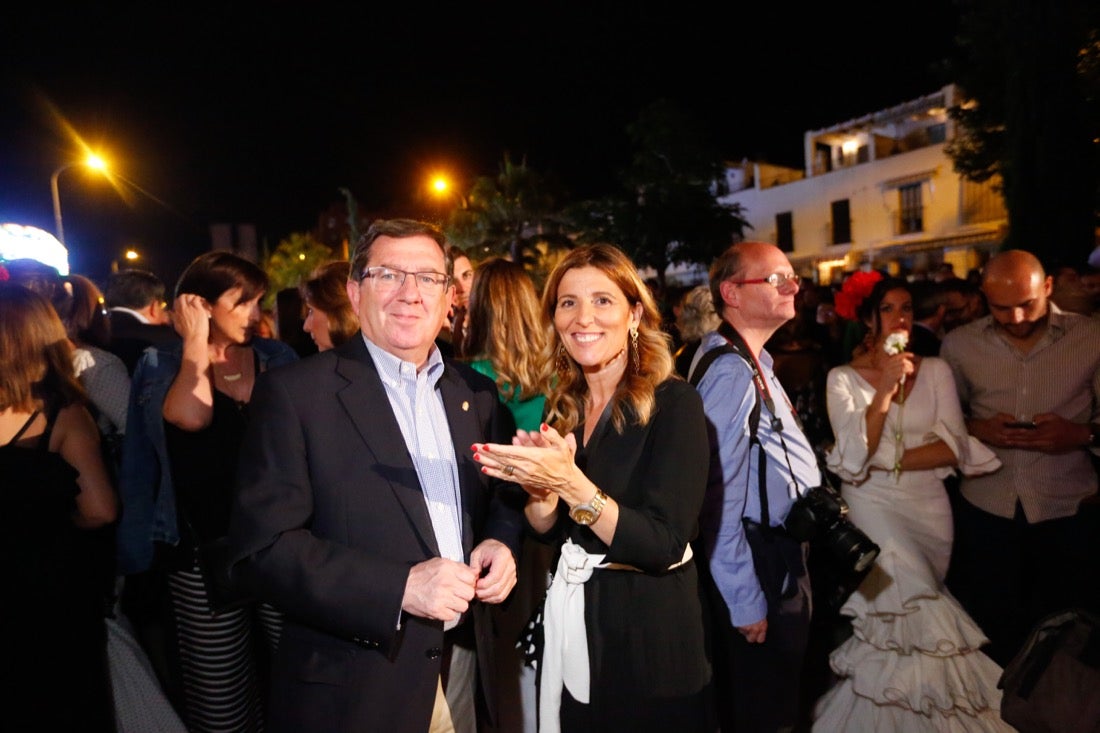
(509, 470)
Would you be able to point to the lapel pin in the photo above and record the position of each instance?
(465, 406)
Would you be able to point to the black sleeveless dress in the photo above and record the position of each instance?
(204, 465)
(53, 638)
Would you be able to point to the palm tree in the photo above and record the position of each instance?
(292, 262)
(510, 215)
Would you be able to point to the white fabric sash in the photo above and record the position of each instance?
(565, 637)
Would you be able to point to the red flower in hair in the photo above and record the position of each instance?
(857, 287)
(4, 276)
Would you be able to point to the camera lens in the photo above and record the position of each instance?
(864, 560)
(850, 546)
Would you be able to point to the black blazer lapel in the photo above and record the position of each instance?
(384, 449)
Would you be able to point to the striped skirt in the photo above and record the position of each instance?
(223, 657)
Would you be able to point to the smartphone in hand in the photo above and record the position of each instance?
(1025, 424)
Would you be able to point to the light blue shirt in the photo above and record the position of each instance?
(418, 406)
(733, 492)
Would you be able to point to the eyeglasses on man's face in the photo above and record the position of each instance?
(388, 279)
(784, 282)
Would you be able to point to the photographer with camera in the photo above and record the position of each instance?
(913, 660)
(761, 463)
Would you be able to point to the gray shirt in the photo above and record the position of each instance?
(1060, 375)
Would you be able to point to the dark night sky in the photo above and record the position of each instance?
(260, 113)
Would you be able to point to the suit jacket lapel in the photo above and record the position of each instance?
(465, 424)
(367, 405)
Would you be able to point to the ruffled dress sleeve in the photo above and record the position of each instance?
(974, 457)
(847, 397)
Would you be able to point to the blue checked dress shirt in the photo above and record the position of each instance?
(418, 407)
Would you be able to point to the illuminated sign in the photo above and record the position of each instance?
(18, 241)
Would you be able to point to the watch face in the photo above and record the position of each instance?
(582, 515)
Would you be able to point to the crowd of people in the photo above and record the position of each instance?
(470, 506)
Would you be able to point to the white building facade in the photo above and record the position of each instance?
(876, 192)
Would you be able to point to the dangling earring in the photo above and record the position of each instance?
(561, 362)
(634, 358)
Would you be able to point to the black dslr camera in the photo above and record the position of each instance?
(819, 517)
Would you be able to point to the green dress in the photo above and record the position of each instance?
(526, 411)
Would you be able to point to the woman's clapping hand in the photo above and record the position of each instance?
(542, 462)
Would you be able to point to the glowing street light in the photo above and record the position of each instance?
(92, 161)
(442, 190)
(129, 258)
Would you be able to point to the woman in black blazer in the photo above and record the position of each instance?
(618, 481)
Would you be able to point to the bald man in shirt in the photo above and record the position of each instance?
(1028, 376)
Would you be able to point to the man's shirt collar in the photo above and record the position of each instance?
(141, 317)
(394, 369)
(1056, 321)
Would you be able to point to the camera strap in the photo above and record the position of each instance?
(735, 344)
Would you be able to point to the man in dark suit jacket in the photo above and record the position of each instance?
(929, 310)
(135, 299)
(451, 334)
(362, 515)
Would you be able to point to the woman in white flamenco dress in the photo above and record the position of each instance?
(913, 662)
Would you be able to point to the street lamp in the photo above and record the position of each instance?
(443, 190)
(92, 161)
(130, 255)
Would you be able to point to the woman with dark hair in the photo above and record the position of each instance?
(330, 319)
(618, 476)
(913, 662)
(188, 411)
(54, 489)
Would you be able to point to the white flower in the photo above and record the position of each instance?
(896, 342)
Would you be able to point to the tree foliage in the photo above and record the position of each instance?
(292, 262)
(511, 214)
(667, 211)
(1028, 72)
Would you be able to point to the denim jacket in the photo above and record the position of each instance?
(145, 479)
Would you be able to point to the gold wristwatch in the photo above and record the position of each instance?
(588, 512)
